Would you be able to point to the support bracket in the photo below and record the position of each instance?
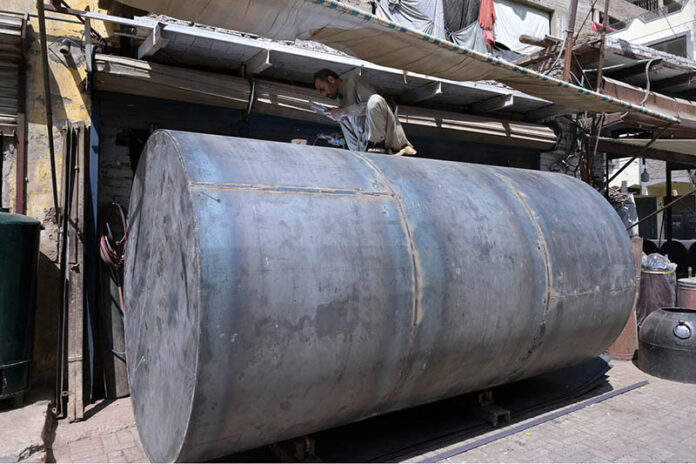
(153, 42)
(258, 63)
(420, 94)
(494, 104)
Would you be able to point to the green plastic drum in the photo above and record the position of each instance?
(19, 256)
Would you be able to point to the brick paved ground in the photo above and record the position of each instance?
(108, 434)
(656, 423)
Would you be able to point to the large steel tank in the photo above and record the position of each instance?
(273, 290)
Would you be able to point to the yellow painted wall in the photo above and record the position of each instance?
(69, 102)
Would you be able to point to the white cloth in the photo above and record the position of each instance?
(515, 19)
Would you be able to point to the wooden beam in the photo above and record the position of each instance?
(258, 63)
(75, 265)
(420, 94)
(541, 55)
(152, 43)
(493, 104)
(546, 41)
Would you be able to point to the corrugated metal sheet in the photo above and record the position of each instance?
(298, 62)
(10, 55)
(137, 77)
(383, 42)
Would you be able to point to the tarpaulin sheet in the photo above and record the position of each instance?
(513, 20)
(383, 42)
(421, 15)
(471, 37)
(460, 13)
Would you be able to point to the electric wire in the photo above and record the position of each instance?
(112, 250)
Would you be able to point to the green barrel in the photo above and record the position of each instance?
(19, 257)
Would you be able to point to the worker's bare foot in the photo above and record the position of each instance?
(408, 150)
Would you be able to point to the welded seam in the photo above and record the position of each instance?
(197, 185)
(406, 224)
(537, 341)
(417, 312)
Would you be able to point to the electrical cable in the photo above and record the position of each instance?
(112, 251)
(647, 81)
(558, 57)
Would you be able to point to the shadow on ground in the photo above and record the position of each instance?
(404, 435)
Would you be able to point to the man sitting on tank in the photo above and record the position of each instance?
(367, 122)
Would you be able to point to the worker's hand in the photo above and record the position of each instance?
(337, 113)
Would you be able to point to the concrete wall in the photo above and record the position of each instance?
(649, 32)
(560, 9)
(69, 102)
(631, 174)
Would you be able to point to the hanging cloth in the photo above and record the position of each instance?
(486, 21)
(471, 37)
(422, 15)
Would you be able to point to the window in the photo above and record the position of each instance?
(675, 46)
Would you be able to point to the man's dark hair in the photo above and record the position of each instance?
(324, 74)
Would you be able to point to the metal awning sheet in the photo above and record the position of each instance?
(683, 146)
(383, 42)
(130, 76)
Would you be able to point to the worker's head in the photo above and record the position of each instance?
(327, 83)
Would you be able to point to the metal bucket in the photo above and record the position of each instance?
(686, 293)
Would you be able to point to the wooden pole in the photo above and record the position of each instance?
(569, 41)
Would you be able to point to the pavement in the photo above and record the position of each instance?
(22, 429)
(655, 423)
(107, 434)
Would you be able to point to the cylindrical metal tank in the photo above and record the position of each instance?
(668, 344)
(19, 259)
(692, 257)
(678, 254)
(274, 290)
(686, 293)
(649, 247)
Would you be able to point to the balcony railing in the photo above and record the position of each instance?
(650, 5)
